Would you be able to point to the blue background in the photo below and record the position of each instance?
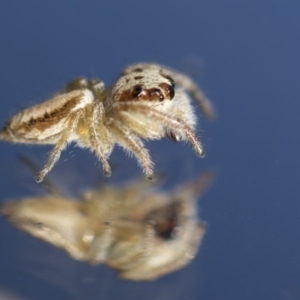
(245, 56)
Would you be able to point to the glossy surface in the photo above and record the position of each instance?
(135, 229)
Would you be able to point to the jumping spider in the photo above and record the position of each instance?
(148, 101)
(140, 232)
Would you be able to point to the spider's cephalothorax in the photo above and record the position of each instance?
(148, 101)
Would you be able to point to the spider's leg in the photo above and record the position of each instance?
(47, 183)
(169, 122)
(193, 89)
(128, 140)
(95, 137)
(60, 145)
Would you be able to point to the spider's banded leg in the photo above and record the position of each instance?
(60, 146)
(95, 139)
(167, 121)
(131, 142)
(193, 89)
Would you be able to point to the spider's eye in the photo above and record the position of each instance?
(137, 91)
(168, 89)
(171, 91)
(156, 93)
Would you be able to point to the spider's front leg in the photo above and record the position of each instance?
(167, 122)
(193, 89)
(126, 138)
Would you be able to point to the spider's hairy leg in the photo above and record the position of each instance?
(171, 123)
(96, 138)
(128, 140)
(60, 145)
(193, 89)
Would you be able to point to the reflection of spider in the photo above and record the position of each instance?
(136, 230)
(148, 101)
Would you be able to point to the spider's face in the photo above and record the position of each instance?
(144, 84)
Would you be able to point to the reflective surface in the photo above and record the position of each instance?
(136, 229)
(245, 56)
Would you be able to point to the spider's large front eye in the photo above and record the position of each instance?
(168, 89)
(137, 92)
(171, 91)
(156, 93)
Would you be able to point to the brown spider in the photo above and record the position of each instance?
(148, 101)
